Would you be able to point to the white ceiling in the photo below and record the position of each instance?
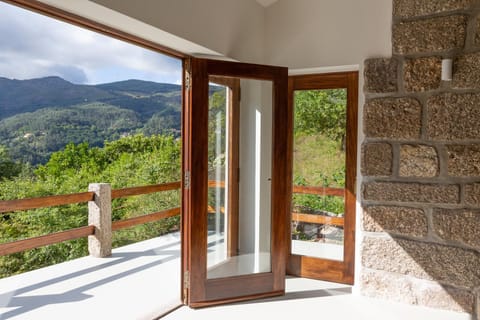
(266, 3)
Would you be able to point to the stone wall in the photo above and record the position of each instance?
(421, 160)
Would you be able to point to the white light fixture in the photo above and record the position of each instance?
(447, 66)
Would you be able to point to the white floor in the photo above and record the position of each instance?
(142, 281)
(219, 266)
(138, 281)
(311, 299)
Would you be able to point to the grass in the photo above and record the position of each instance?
(318, 161)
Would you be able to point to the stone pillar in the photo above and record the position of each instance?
(100, 216)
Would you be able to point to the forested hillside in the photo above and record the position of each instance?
(31, 137)
(41, 116)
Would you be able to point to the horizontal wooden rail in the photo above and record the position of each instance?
(135, 191)
(216, 184)
(43, 202)
(59, 200)
(32, 243)
(317, 219)
(151, 217)
(212, 210)
(320, 191)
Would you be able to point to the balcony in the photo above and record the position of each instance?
(138, 281)
(142, 281)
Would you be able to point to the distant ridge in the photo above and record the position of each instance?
(20, 96)
(140, 86)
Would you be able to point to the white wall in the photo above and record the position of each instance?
(255, 169)
(313, 33)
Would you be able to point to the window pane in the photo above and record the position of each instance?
(252, 233)
(319, 173)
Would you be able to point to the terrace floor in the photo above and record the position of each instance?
(139, 281)
(142, 281)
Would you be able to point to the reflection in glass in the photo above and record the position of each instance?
(239, 160)
(319, 173)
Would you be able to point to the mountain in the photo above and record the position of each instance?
(41, 116)
(145, 97)
(19, 96)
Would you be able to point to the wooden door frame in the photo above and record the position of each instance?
(310, 267)
(198, 290)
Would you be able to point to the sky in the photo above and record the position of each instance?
(35, 46)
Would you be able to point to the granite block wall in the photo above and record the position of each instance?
(421, 160)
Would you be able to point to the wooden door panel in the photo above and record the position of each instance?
(199, 289)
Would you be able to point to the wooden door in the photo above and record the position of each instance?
(322, 242)
(236, 186)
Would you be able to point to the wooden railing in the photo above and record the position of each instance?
(71, 234)
(316, 218)
(319, 191)
(90, 230)
(43, 202)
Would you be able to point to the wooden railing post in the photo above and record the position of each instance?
(100, 216)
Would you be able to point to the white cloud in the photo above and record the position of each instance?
(33, 46)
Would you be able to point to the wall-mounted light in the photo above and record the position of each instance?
(447, 66)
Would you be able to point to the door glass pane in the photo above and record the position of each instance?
(319, 173)
(239, 232)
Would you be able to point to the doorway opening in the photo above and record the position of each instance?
(82, 104)
(324, 170)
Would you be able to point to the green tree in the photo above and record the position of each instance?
(69, 161)
(321, 111)
(8, 167)
(130, 161)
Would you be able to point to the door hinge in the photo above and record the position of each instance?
(188, 80)
(186, 286)
(186, 280)
(188, 75)
(186, 180)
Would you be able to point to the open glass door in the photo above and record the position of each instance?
(237, 182)
(324, 169)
